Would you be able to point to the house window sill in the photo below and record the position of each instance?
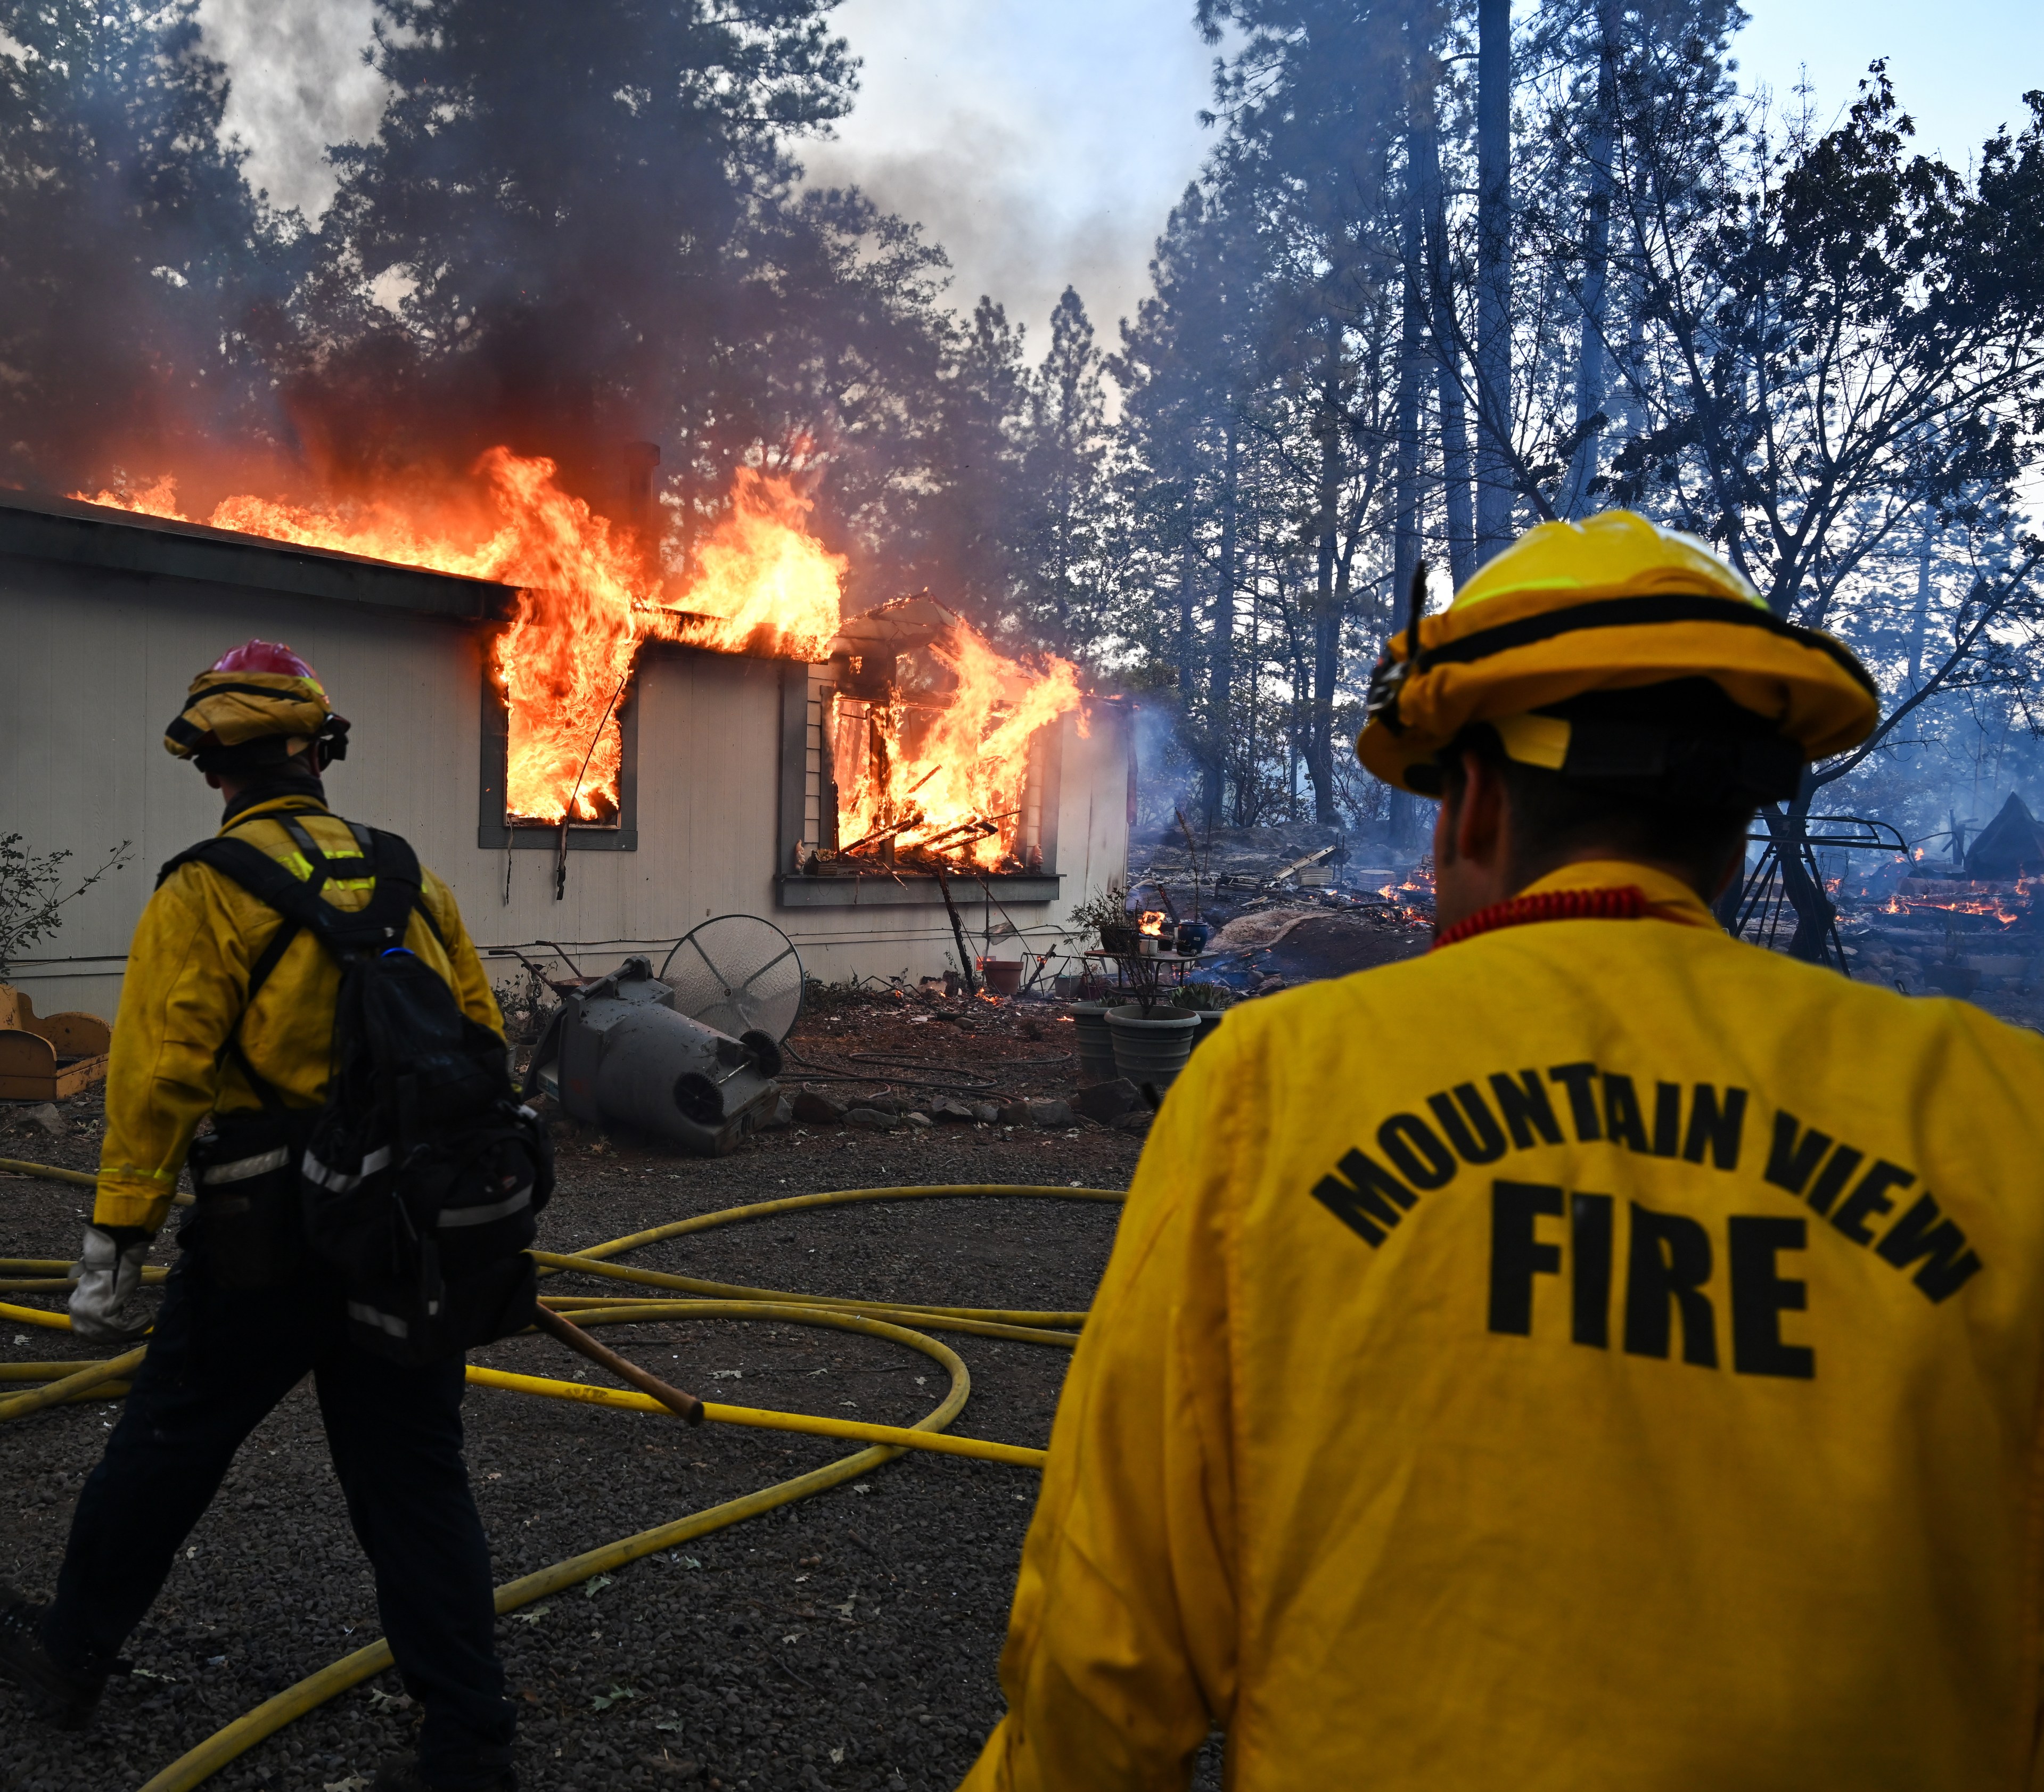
(909, 890)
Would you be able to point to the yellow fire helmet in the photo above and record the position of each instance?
(256, 706)
(1543, 641)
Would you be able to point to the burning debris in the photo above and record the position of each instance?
(1282, 905)
(931, 763)
(1966, 927)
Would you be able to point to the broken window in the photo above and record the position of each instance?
(600, 774)
(924, 750)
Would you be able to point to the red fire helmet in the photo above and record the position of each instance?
(264, 656)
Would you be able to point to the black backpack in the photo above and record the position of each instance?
(421, 1179)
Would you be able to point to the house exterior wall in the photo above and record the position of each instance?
(97, 659)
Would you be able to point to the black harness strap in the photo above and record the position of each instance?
(388, 858)
(366, 838)
(259, 974)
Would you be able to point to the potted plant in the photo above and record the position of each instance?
(1209, 1001)
(1152, 1040)
(1106, 915)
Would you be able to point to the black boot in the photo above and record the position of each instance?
(402, 1774)
(60, 1695)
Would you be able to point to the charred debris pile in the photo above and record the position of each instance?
(1968, 925)
(1285, 904)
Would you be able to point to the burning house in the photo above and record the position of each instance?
(592, 758)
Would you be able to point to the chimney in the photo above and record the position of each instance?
(636, 510)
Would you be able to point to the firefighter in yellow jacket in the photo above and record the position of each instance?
(228, 1010)
(1598, 1354)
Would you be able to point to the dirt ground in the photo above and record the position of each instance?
(848, 1640)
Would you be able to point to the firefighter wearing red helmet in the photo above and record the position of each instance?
(226, 1011)
(1599, 1354)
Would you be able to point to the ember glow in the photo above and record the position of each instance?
(939, 769)
(2003, 903)
(585, 602)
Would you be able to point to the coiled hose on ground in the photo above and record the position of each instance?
(900, 1322)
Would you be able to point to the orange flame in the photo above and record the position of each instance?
(565, 660)
(765, 585)
(1151, 922)
(1914, 895)
(947, 770)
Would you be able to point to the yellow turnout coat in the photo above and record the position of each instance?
(187, 984)
(1599, 1355)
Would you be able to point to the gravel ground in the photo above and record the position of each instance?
(849, 1641)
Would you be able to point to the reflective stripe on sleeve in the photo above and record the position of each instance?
(243, 1168)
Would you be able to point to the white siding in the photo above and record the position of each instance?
(96, 661)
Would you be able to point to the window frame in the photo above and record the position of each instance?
(494, 833)
(803, 787)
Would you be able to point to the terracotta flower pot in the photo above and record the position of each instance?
(1002, 977)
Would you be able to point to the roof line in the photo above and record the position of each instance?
(37, 526)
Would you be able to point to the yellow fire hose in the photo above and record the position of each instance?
(896, 1321)
(49, 1172)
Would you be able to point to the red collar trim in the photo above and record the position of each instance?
(1626, 903)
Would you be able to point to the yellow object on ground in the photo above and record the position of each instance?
(1599, 1355)
(82, 1378)
(760, 1418)
(48, 1172)
(35, 1316)
(1610, 603)
(96, 1379)
(187, 984)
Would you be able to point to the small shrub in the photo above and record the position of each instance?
(29, 898)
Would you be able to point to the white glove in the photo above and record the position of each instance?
(109, 1274)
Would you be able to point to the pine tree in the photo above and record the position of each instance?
(563, 205)
(140, 280)
(1063, 456)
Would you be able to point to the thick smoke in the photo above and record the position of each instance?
(142, 295)
(572, 229)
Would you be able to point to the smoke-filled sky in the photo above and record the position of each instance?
(1042, 141)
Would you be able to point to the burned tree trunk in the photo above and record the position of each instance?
(1412, 364)
(1815, 910)
(1457, 463)
(1326, 609)
(1221, 663)
(1590, 348)
(1412, 376)
(1493, 277)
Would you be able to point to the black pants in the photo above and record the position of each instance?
(217, 1363)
